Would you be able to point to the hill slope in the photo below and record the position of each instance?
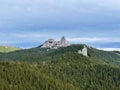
(5, 49)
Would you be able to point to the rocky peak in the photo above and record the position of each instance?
(51, 43)
(63, 38)
(63, 42)
(48, 44)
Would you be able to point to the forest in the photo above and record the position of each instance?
(60, 69)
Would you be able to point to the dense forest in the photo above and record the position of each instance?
(59, 69)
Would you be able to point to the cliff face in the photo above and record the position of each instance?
(83, 51)
(51, 43)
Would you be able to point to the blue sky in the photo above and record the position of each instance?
(28, 23)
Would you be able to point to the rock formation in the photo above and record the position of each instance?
(51, 43)
(63, 42)
(83, 51)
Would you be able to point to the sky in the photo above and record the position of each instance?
(28, 23)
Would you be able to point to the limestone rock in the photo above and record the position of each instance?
(51, 43)
(83, 51)
(63, 42)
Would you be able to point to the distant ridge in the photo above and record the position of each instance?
(5, 49)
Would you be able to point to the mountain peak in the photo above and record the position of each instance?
(51, 43)
(63, 38)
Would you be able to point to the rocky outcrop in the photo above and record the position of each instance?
(51, 43)
(63, 42)
(83, 51)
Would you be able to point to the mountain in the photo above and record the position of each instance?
(5, 49)
(74, 67)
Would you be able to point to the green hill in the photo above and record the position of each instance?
(59, 69)
(5, 49)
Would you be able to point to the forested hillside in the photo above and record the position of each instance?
(59, 69)
(60, 74)
(41, 54)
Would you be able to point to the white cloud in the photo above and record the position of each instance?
(85, 39)
(93, 39)
(110, 49)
